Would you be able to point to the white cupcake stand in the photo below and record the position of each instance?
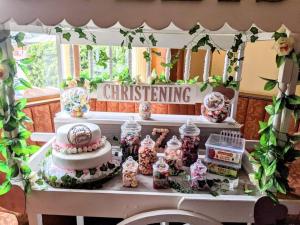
(142, 205)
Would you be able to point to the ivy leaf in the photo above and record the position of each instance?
(123, 32)
(279, 60)
(253, 38)
(270, 109)
(194, 29)
(203, 86)
(89, 47)
(278, 35)
(279, 105)
(270, 84)
(5, 187)
(280, 186)
(142, 40)
(19, 38)
(293, 100)
(156, 53)
(4, 167)
(263, 126)
(254, 30)
(268, 185)
(1, 54)
(3, 151)
(152, 39)
(273, 139)
(146, 56)
(58, 29)
(25, 169)
(21, 104)
(271, 169)
(67, 36)
(25, 134)
(80, 32)
(263, 140)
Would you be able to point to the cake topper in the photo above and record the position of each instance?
(79, 134)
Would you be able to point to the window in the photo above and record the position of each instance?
(37, 62)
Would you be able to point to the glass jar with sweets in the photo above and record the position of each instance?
(198, 174)
(130, 139)
(147, 156)
(190, 139)
(215, 107)
(129, 173)
(160, 174)
(173, 156)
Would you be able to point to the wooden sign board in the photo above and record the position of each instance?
(170, 94)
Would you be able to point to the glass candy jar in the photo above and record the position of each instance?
(145, 110)
(173, 156)
(147, 156)
(75, 101)
(215, 107)
(160, 174)
(190, 139)
(130, 139)
(198, 174)
(129, 173)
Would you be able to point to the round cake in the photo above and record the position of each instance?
(80, 157)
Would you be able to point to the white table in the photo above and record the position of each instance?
(117, 202)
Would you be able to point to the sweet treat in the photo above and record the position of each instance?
(198, 173)
(221, 168)
(80, 157)
(215, 107)
(173, 156)
(130, 139)
(190, 140)
(160, 174)
(75, 101)
(227, 146)
(145, 110)
(129, 173)
(162, 132)
(147, 156)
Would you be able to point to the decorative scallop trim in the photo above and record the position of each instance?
(75, 150)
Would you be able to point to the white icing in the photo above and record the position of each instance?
(78, 134)
(83, 160)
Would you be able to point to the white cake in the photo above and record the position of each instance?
(80, 155)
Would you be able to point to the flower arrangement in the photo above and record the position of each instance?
(89, 84)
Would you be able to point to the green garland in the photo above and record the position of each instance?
(13, 146)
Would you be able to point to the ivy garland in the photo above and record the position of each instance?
(13, 147)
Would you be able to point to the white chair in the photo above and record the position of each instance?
(166, 216)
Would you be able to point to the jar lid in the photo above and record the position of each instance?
(161, 165)
(131, 125)
(214, 101)
(189, 128)
(174, 142)
(130, 164)
(198, 167)
(148, 142)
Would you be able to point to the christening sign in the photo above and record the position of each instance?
(171, 94)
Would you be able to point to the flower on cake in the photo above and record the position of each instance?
(284, 46)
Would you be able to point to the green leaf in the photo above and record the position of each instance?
(253, 38)
(4, 168)
(279, 60)
(293, 100)
(80, 32)
(67, 36)
(24, 134)
(271, 169)
(203, 86)
(27, 60)
(142, 40)
(58, 29)
(263, 126)
(152, 39)
(1, 54)
(19, 39)
(25, 83)
(280, 186)
(263, 139)
(273, 139)
(25, 69)
(254, 30)
(270, 109)
(194, 29)
(146, 55)
(279, 105)
(25, 169)
(3, 151)
(270, 84)
(21, 104)
(89, 47)
(5, 187)
(268, 185)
